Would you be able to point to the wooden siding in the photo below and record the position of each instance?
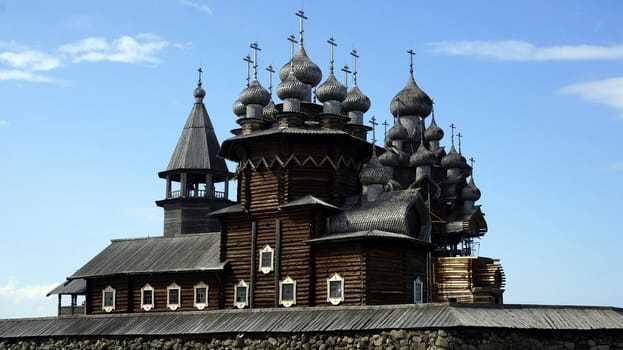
(349, 261)
(467, 280)
(94, 295)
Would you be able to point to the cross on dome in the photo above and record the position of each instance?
(255, 47)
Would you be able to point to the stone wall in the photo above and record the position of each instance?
(458, 338)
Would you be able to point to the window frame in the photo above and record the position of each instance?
(245, 303)
(269, 267)
(287, 281)
(105, 307)
(178, 305)
(202, 305)
(147, 288)
(335, 278)
(418, 283)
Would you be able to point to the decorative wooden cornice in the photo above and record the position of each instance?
(300, 160)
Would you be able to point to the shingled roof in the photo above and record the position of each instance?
(186, 253)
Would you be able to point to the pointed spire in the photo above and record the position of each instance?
(301, 16)
(249, 61)
(355, 57)
(255, 47)
(332, 45)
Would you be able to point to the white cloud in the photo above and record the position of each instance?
(127, 49)
(30, 60)
(26, 301)
(24, 75)
(607, 92)
(197, 5)
(4, 123)
(519, 50)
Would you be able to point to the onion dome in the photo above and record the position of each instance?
(291, 87)
(452, 160)
(199, 92)
(433, 132)
(411, 100)
(239, 108)
(304, 69)
(389, 158)
(397, 131)
(470, 192)
(255, 94)
(331, 89)
(356, 101)
(373, 173)
(422, 157)
(270, 111)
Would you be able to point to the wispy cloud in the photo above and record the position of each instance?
(26, 301)
(127, 49)
(30, 59)
(519, 50)
(616, 166)
(608, 92)
(4, 123)
(16, 295)
(24, 75)
(197, 5)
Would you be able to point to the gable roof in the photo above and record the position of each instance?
(309, 200)
(186, 253)
(77, 286)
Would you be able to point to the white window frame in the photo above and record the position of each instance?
(335, 278)
(109, 308)
(174, 306)
(287, 281)
(147, 288)
(203, 305)
(245, 303)
(418, 284)
(271, 266)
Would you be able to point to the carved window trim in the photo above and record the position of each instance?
(172, 290)
(335, 289)
(267, 259)
(241, 301)
(200, 305)
(147, 304)
(287, 282)
(418, 291)
(109, 296)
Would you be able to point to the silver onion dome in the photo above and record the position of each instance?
(291, 87)
(255, 94)
(422, 157)
(433, 132)
(304, 69)
(356, 101)
(199, 92)
(373, 173)
(239, 108)
(411, 100)
(452, 160)
(470, 192)
(270, 111)
(389, 158)
(331, 89)
(397, 132)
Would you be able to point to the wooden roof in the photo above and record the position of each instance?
(77, 286)
(185, 253)
(321, 319)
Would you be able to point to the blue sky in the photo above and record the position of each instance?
(95, 94)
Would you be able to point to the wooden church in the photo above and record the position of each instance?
(322, 216)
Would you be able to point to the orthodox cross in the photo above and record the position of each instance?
(385, 124)
(346, 71)
(200, 71)
(270, 77)
(472, 161)
(355, 57)
(374, 124)
(460, 136)
(411, 54)
(292, 41)
(452, 127)
(255, 49)
(302, 17)
(332, 44)
(249, 61)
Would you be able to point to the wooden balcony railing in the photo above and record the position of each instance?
(197, 194)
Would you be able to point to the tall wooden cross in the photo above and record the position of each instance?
(411, 54)
(200, 71)
(292, 41)
(346, 72)
(374, 124)
(302, 17)
(452, 127)
(472, 161)
(255, 47)
(355, 57)
(332, 44)
(270, 77)
(385, 124)
(249, 61)
(460, 136)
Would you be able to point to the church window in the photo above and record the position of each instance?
(201, 295)
(108, 299)
(266, 259)
(287, 292)
(335, 289)
(147, 297)
(418, 291)
(241, 295)
(173, 296)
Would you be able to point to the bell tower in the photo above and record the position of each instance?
(191, 176)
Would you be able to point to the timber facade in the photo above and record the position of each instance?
(322, 216)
